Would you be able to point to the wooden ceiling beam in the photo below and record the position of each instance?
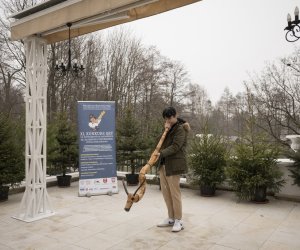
(52, 25)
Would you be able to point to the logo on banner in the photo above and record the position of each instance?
(94, 122)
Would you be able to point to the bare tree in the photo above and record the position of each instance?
(197, 106)
(175, 80)
(12, 59)
(277, 100)
(150, 100)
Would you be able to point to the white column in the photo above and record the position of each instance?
(35, 203)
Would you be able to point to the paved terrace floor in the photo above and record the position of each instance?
(99, 222)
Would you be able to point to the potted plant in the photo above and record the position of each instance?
(130, 146)
(12, 169)
(295, 168)
(207, 160)
(252, 169)
(63, 152)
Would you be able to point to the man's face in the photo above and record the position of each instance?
(92, 119)
(172, 120)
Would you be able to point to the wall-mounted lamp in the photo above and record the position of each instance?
(293, 28)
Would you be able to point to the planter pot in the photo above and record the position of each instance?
(64, 180)
(207, 191)
(4, 193)
(260, 195)
(132, 179)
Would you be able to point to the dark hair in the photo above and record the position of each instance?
(168, 112)
(92, 116)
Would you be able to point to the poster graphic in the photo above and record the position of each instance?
(97, 148)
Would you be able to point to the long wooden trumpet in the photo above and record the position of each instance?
(140, 191)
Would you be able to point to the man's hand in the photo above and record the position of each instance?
(156, 154)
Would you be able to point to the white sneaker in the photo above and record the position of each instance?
(166, 223)
(178, 226)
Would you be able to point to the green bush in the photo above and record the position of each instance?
(295, 170)
(254, 165)
(62, 146)
(12, 169)
(131, 148)
(207, 160)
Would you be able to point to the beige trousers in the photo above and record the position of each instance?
(170, 187)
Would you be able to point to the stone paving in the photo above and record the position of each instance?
(100, 222)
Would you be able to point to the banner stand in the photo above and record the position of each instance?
(97, 148)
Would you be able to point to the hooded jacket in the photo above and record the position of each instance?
(173, 150)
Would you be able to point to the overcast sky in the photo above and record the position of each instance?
(221, 41)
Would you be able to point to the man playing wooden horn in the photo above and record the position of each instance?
(172, 163)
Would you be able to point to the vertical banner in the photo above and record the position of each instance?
(97, 148)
